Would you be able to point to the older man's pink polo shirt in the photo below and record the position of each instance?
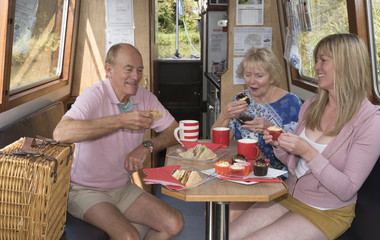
(99, 163)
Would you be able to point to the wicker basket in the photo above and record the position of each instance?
(34, 185)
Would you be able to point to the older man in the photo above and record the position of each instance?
(107, 124)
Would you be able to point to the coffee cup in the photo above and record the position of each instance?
(188, 130)
(248, 147)
(221, 135)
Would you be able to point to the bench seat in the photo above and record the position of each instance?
(365, 225)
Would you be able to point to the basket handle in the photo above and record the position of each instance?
(28, 143)
(54, 142)
(25, 151)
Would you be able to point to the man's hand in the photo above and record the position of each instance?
(136, 120)
(135, 159)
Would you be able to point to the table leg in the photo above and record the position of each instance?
(220, 220)
(209, 220)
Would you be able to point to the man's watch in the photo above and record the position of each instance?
(149, 145)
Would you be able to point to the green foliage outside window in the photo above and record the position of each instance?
(167, 29)
(328, 17)
(376, 28)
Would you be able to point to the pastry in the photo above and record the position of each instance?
(260, 167)
(275, 131)
(243, 97)
(244, 118)
(237, 169)
(238, 158)
(222, 168)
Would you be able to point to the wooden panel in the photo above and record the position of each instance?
(142, 37)
(90, 51)
(271, 19)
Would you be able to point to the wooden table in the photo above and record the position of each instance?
(218, 193)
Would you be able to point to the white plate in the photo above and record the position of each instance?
(272, 173)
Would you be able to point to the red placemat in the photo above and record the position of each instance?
(162, 175)
(211, 146)
(251, 179)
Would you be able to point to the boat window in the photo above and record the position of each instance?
(38, 36)
(308, 22)
(38, 41)
(374, 25)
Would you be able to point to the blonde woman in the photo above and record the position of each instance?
(330, 154)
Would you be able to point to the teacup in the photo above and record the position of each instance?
(248, 147)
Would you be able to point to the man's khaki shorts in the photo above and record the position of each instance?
(81, 199)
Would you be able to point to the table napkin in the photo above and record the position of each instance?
(211, 146)
(162, 175)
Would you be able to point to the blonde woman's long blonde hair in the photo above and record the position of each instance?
(352, 80)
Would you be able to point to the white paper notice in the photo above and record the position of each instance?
(119, 13)
(249, 12)
(237, 80)
(119, 22)
(245, 38)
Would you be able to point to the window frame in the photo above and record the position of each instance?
(10, 100)
(357, 16)
(372, 46)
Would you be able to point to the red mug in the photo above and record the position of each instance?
(221, 135)
(248, 147)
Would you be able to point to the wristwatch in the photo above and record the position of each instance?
(149, 145)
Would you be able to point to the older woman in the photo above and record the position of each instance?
(269, 105)
(330, 154)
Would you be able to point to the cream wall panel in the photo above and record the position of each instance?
(90, 51)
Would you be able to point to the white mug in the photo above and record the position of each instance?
(188, 131)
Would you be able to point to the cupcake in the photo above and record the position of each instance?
(275, 131)
(238, 158)
(237, 169)
(260, 167)
(222, 168)
(244, 118)
(243, 97)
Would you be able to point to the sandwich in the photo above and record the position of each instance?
(155, 113)
(187, 177)
(200, 152)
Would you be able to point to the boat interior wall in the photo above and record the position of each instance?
(91, 43)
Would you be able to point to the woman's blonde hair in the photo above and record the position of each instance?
(352, 79)
(261, 58)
